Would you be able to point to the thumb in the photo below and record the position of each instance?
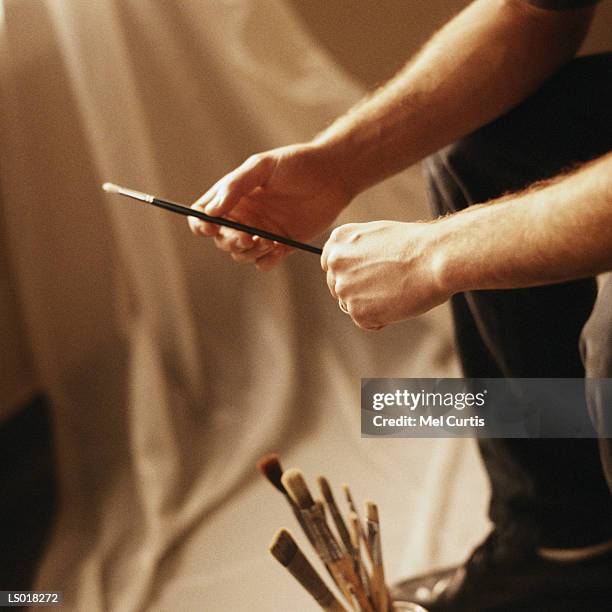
(253, 173)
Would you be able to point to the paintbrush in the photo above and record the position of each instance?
(286, 551)
(191, 212)
(379, 588)
(335, 514)
(270, 466)
(353, 508)
(340, 564)
(360, 568)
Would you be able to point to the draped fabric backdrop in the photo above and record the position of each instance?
(170, 368)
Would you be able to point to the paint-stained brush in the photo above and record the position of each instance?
(379, 588)
(270, 466)
(340, 564)
(287, 552)
(335, 514)
(353, 508)
(353, 521)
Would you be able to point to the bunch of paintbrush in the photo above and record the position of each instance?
(350, 551)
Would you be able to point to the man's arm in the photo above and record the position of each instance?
(387, 271)
(486, 60)
(553, 232)
(481, 64)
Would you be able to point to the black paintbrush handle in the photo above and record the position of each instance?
(190, 212)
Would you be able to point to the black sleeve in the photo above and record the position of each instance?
(561, 5)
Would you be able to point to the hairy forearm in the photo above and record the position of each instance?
(485, 61)
(553, 232)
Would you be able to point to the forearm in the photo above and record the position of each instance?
(550, 233)
(485, 61)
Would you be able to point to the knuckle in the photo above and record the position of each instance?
(361, 317)
(347, 229)
(359, 321)
(333, 258)
(227, 184)
(258, 160)
(231, 182)
(221, 243)
(253, 160)
(341, 289)
(336, 233)
(208, 229)
(345, 233)
(241, 258)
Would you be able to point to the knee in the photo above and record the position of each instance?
(596, 349)
(597, 355)
(596, 344)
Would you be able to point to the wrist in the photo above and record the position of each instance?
(345, 157)
(450, 265)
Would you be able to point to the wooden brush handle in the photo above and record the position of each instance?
(308, 577)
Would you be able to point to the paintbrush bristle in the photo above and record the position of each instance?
(296, 486)
(371, 511)
(283, 547)
(111, 188)
(269, 465)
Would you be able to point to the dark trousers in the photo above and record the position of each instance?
(544, 492)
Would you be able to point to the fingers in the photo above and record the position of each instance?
(243, 248)
(223, 196)
(339, 270)
(273, 257)
(325, 254)
(331, 284)
(197, 226)
(231, 240)
(202, 228)
(327, 261)
(226, 193)
(331, 246)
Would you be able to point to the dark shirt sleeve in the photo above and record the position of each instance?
(561, 5)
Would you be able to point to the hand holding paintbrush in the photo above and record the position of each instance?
(222, 221)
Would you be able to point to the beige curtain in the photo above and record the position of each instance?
(171, 369)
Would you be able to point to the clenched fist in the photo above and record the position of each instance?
(384, 271)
